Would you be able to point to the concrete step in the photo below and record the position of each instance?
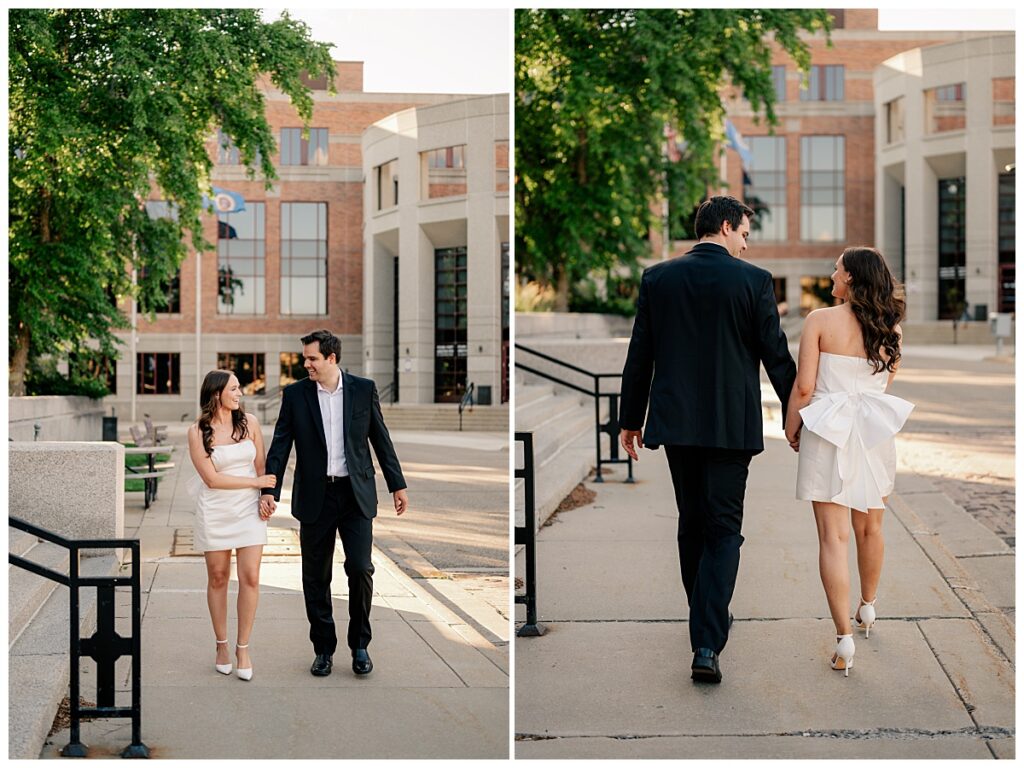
(39, 665)
(480, 418)
(27, 591)
(562, 423)
(20, 542)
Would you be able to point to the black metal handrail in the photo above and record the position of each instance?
(388, 393)
(466, 401)
(527, 536)
(105, 646)
(610, 427)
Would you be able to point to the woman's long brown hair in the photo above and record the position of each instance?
(209, 399)
(878, 303)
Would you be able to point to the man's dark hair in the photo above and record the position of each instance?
(329, 343)
(717, 210)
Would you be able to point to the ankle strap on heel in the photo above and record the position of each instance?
(220, 641)
(865, 602)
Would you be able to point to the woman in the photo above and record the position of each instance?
(226, 447)
(849, 355)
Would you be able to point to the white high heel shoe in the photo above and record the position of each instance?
(224, 669)
(867, 615)
(244, 674)
(844, 653)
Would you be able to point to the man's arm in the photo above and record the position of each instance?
(636, 377)
(773, 348)
(281, 445)
(383, 447)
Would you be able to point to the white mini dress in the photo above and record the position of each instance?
(228, 519)
(848, 442)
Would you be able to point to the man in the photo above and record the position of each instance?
(704, 322)
(333, 417)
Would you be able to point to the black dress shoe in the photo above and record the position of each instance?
(705, 666)
(322, 665)
(361, 663)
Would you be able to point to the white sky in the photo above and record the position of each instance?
(417, 51)
(955, 19)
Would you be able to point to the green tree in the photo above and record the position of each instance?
(105, 106)
(594, 92)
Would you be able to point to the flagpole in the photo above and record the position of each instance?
(199, 325)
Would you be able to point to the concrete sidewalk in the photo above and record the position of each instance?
(611, 676)
(439, 688)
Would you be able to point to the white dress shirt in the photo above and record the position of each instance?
(332, 410)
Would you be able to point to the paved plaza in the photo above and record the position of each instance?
(439, 688)
(610, 678)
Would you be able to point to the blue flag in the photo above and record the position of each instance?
(735, 141)
(224, 201)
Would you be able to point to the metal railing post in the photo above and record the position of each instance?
(527, 536)
(105, 646)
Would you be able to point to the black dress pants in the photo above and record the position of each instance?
(709, 486)
(340, 514)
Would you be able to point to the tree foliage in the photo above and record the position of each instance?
(105, 105)
(594, 92)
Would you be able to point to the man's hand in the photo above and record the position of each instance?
(267, 506)
(401, 501)
(793, 436)
(626, 438)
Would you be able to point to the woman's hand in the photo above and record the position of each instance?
(266, 481)
(793, 436)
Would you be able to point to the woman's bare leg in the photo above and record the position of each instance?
(248, 597)
(833, 523)
(867, 530)
(218, 573)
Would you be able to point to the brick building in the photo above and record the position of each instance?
(817, 172)
(291, 262)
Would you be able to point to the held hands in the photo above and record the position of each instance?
(401, 501)
(267, 506)
(793, 436)
(266, 481)
(626, 438)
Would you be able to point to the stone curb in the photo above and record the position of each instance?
(962, 584)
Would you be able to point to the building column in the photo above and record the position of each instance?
(982, 189)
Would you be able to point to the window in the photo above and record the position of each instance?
(894, 121)
(444, 172)
(303, 258)
(824, 84)
(292, 369)
(505, 319)
(227, 152)
(248, 368)
(822, 188)
(764, 189)
(92, 365)
(952, 247)
(815, 292)
(838, 17)
(161, 209)
(945, 109)
(242, 261)
(501, 166)
(450, 352)
(159, 373)
(387, 185)
(1007, 249)
(296, 150)
(779, 81)
(1004, 103)
(172, 290)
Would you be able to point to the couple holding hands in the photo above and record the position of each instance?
(332, 418)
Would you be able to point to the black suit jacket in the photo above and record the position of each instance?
(300, 423)
(704, 323)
